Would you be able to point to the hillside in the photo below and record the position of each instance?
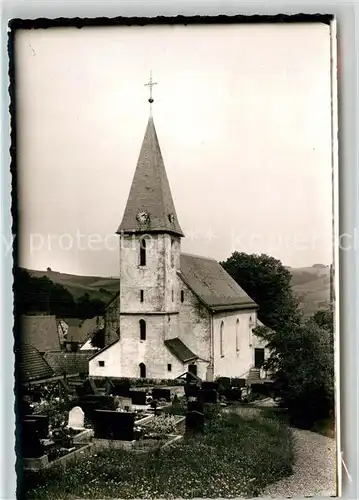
(310, 286)
(97, 288)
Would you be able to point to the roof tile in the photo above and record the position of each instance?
(41, 332)
(212, 284)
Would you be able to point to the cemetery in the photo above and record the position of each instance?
(140, 429)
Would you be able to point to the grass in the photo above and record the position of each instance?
(234, 457)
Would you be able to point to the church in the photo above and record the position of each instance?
(174, 312)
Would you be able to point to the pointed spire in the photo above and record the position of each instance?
(150, 206)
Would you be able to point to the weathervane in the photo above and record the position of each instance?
(150, 84)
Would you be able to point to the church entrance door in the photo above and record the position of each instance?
(192, 369)
(258, 357)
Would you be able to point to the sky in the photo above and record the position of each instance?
(243, 117)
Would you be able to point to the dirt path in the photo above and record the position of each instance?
(314, 471)
(314, 468)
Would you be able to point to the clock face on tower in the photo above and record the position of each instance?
(142, 216)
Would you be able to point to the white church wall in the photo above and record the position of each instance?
(237, 354)
(152, 351)
(194, 321)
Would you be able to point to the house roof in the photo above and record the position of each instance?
(68, 362)
(212, 284)
(32, 365)
(180, 350)
(150, 191)
(41, 332)
(79, 330)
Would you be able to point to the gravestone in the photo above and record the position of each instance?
(238, 382)
(233, 394)
(96, 402)
(269, 386)
(30, 441)
(76, 418)
(42, 424)
(195, 406)
(120, 388)
(191, 391)
(194, 423)
(224, 384)
(208, 396)
(210, 386)
(161, 394)
(138, 397)
(114, 425)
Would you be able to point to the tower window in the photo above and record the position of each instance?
(142, 329)
(173, 295)
(141, 295)
(142, 367)
(221, 339)
(101, 363)
(143, 252)
(182, 296)
(237, 335)
(169, 367)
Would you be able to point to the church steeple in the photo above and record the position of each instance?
(150, 206)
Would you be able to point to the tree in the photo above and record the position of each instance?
(268, 283)
(88, 308)
(325, 318)
(41, 295)
(302, 359)
(98, 338)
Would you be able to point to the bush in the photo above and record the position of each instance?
(305, 383)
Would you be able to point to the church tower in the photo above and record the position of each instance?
(150, 241)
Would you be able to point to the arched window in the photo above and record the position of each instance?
(172, 253)
(221, 339)
(237, 335)
(173, 295)
(142, 370)
(143, 252)
(182, 296)
(142, 329)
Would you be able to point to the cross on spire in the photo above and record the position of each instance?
(150, 84)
